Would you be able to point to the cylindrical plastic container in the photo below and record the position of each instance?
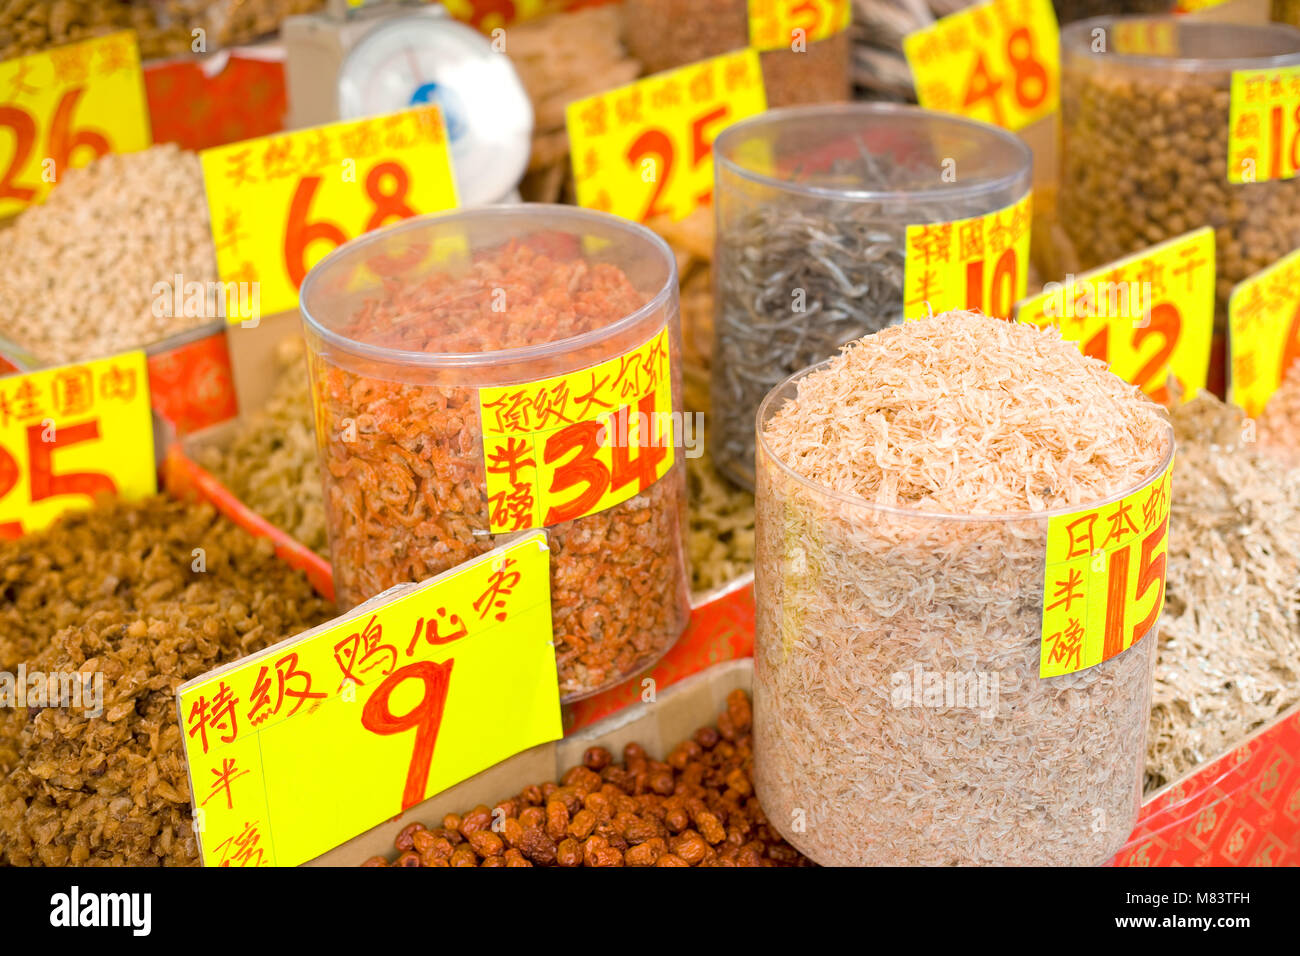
(484, 372)
(865, 611)
(1067, 11)
(812, 208)
(1145, 147)
(663, 34)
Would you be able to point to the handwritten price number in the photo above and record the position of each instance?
(425, 717)
(1151, 571)
(1003, 290)
(44, 483)
(1166, 323)
(300, 232)
(657, 142)
(1030, 86)
(61, 142)
(1277, 134)
(586, 470)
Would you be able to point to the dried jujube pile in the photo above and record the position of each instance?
(114, 591)
(697, 808)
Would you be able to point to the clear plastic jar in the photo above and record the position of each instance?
(663, 34)
(856, 604)
(812, 207)
(408, 327)
(1145, 143)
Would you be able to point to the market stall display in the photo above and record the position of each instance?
(1229, 658)
(1173, 95)
(694, 808)
(147, 596)
(1279, 424)
(663, 34)
(905, 498)
(414, 350)
(813, 210)
(94, 270)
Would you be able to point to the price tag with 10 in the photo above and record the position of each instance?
(300, 747)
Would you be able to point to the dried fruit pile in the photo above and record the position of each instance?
(697, 808)
(114, 591)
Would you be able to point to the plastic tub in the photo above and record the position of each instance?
(1145, 151)
(663, 34)
(421, 334)
(856, 604)
(812, 207)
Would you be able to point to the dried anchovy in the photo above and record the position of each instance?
(846, 257)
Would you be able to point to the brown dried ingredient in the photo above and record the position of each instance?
(405, 487)
(112, 590)
(1279, 423)
(629, 824)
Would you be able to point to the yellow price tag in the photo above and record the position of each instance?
(977, 263)
(1104, 584)
(1263, 332)
(1153, 37)
(569, 446)
(1264, 125)
(793, 24)
(1149, 315)
(300, 747)
(646, 149)
(63, 108)
(999, 62)
(70, 433)
(1191, 6)
(280, 203)
(488, 15)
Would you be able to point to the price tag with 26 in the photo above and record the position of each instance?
(999, 62)
(302, 746)
(281, 203)
(65, 107)
(70, 433)
(646, 149)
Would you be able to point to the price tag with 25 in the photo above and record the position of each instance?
(65, 107)
(70, 433)
(300, 747)
(646, 149)
(1149, 315)
(280, 203)
(999, 62)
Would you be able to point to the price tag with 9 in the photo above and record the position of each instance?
(302, 746)
(793, 24)
(65, 107)
(1263, 332)
(70, 433)
(281, 203)
(999, 62)
(1149, 315)
(646, 149)
(978, 263)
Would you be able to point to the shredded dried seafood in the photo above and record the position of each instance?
(1279, 424)
(1229, 659)
(970, 422)
(403, 464)
(114, 591)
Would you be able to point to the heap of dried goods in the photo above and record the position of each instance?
(696, 808)
(1279, 423)
(893, 543)
(81, 274)
(114, 591)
